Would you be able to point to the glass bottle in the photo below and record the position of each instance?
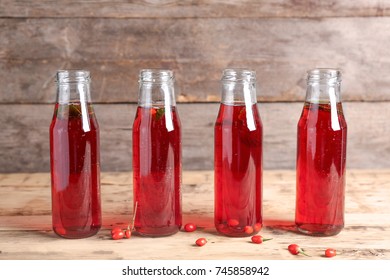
(157, 156)
(74, 158)
(321, 156)
(238, 156)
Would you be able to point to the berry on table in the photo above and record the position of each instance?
(127, 233)
(295, 250)
(190, 227)
(330, 253)
(258, 239)
(117, 233)
(201, 241)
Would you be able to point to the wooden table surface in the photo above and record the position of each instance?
(25, 221)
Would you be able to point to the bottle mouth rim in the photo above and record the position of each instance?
(238, 75)
(73, 76)
(329, 75)
(156, 75)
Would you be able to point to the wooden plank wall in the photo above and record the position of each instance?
(280, 39)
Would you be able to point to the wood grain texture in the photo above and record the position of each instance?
(197, 9)
(114, 50)
(24, 135)
(25, 219)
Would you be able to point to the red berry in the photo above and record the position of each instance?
(190, 227)
(258, 239)
(201, 241)
(233, 222)
(118, 235)
(221, 227)
(257, 227)
(295, 250)
(127, 234)
(330, 253)
(115, 229)
(248, 230)
(60, 231)
(242, 115)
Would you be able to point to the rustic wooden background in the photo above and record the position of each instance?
(280, 39)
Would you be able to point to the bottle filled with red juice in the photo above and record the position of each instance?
(238, 157)
(321, 156)
(157, 156)
(74, 158)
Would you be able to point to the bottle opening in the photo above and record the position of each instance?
(156, 76)
(238, 75)
(324, 75)
(72, 76)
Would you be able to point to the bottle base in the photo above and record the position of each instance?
(157, 232)
(76, 233)
(319, 230)
(236, 234)
(238, 231)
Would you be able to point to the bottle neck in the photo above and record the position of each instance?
(73, 86)
(238, 87)
(156, 88)
(323, 86)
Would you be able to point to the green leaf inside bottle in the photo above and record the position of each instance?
(160, 113)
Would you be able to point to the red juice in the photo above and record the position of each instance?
(238, 170)
(321, 158)
(157, 171)
(75, 170)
